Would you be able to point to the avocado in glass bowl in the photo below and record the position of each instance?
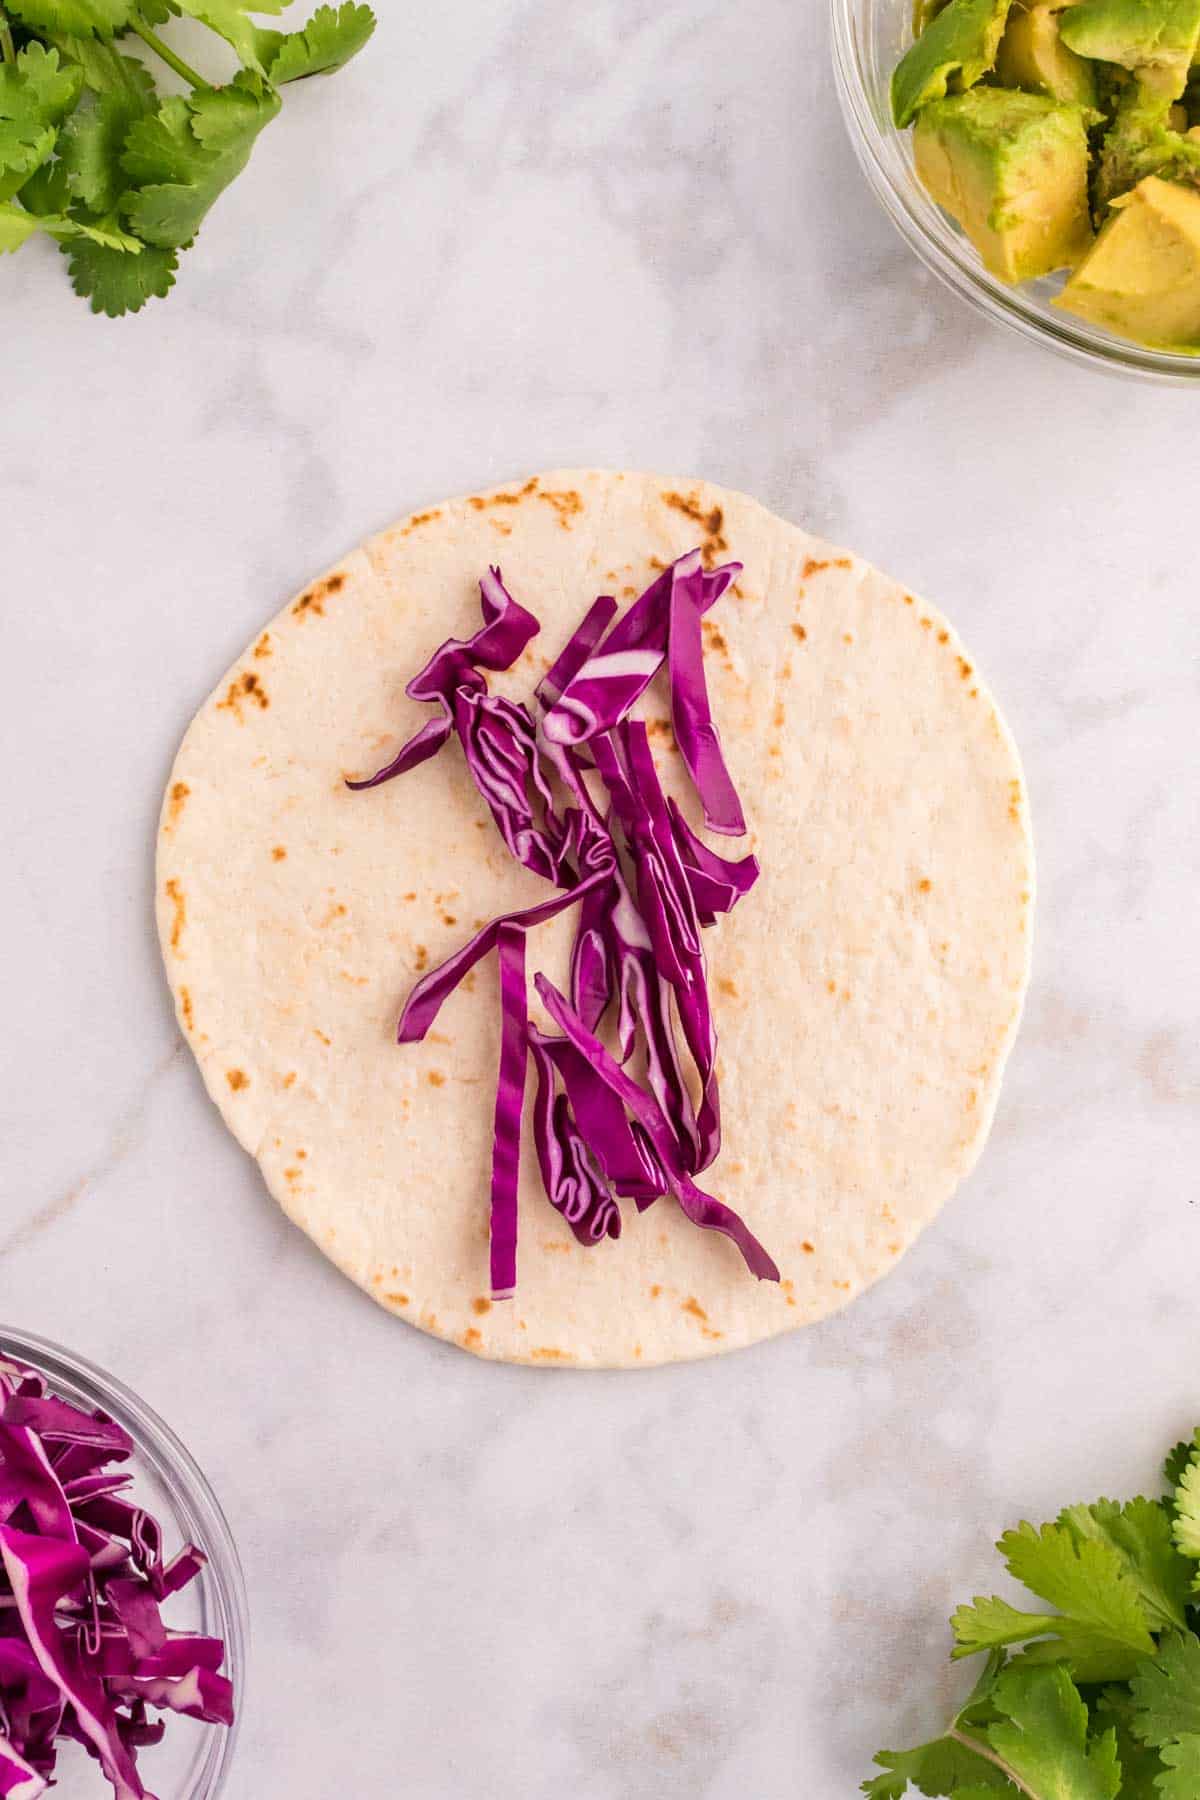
(1044, 159)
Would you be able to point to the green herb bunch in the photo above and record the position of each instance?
(1098, 1700)
(95, 157)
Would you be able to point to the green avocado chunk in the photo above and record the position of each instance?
(1012, 169)
(1142, 278)
(956, 48)
(1033, 56)
(1142, 140)
(1157, 39)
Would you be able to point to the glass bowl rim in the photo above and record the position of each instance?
(198, 1509)
(954, 260)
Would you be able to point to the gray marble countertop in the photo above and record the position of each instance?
(519, 235)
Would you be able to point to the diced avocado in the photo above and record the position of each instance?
(1158, 39)
(1142, 278)
(1012, 169)
(1033, 56)
(1140, 142)
(957, 47)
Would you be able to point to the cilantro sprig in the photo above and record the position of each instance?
(1098, 1698)
(119, 175)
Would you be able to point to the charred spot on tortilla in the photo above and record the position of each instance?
(175, 895)
(246, 689)
(419, 519)
(711, 522)
(567, 505)
(312, 602)
(177, 799)
(482, 501)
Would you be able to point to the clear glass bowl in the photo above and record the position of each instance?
(869, 36)
(193, 1760)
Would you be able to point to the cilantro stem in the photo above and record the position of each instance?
(989, 1755)
(7, 48)
(152, 40)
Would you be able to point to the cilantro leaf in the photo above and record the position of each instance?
(92, 144)
(19, 224)
(36, 93)
(106, 71)
(1105, 1625)
(47, 194)
(1043, 1737)
(46, 191)
(1047, 1637)
(116, 282)
(1182, 1760)
(1101, 1629)
(991, 1623)
(1140, 1764)
(944, 1764)
(940, 1767)
(1177, 1461)
(124, 180)
(331, 37)
(228, 19)
(1165, 1692)
(1140, 1533)
(72, 18)
(16, 227)
(1187, 1511)
(183, 158)
(40, 79)
(104, 229)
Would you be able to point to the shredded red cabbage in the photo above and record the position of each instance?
(83, 1647)
(645, 886)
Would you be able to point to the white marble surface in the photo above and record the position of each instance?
(520, 234)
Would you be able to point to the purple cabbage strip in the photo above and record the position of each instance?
(41, 1572)
(27, 1479)
(499, 743)
(83, 1646)
(562, 673)
(433, 990)
(616, 676)
(717, 883)
(600, 1134)
(691, 714)
(665, 894)
(622, 1148)
(510, 1104)
(427, 742)
(702, 1209)
(18, 1781)
(57, 1423)
(574, 1185)
(138, 1615)
(506, 630)
(200, 1694)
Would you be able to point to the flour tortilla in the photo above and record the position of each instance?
(867, 992)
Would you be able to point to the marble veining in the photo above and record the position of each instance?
(517, 235)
